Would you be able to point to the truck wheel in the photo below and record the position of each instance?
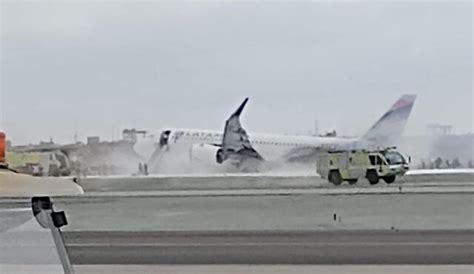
(389, 179)
(352, 181)
(373, 177)
(335, 177)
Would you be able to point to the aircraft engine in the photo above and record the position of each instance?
(203, 153)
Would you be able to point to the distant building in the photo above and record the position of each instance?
(438, 129)
(130, 135)
(93, 140)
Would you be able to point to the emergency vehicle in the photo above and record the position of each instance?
(351, 165)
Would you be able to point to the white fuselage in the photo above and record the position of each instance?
(272, 147)
(242, 148)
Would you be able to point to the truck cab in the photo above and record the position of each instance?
(351, 165)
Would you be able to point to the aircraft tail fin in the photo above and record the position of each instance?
(389, 128)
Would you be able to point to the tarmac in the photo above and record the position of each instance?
(417, 224)
(273, 247)
(285, 180)
(269, 212)
(245, 269)
(303, 209)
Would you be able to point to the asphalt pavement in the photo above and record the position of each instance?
(273, 269)
(273, 247)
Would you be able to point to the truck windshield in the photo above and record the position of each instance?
(394, 158)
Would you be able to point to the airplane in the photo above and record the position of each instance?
(248, 152)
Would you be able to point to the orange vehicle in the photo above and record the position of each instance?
(2, 148)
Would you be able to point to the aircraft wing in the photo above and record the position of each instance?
(235, 141)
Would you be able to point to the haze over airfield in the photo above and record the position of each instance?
(96, 67)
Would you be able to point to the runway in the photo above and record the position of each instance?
(273, 247)
(272, 269)
(234, 210)
(399, 224)
(308, 180)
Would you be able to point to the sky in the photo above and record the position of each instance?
(96, 67)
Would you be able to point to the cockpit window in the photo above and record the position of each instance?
(394, 158)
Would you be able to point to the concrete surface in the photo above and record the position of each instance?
(261, 212)
(304, 209)
(273, 247)
(275, 269)
(244, 269)
(250, 181)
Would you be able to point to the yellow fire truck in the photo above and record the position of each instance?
(351, 165)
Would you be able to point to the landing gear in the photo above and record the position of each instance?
(352, 181)
(373, 177)
(389, 179)
(335, 177)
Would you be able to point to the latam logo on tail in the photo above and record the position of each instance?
(389, 128)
